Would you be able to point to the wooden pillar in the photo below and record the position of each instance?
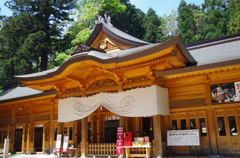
(122, 123)
(51, 129)
(44, 139)
(212, 132)
(101, 130)
(28, 139)
(98, 127)
(23, 138)
(84, 142)
(210, 118)
(157, 148)
(60, 131)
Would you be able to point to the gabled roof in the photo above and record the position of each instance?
(116, 34)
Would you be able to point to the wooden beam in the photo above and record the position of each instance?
(84, 142)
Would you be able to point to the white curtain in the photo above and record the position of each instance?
(137, 102)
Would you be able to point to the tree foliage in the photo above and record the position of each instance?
(151, 23)
(28, 38)
(216, 18)
(13, 41)
(169, 26)
(50, 16)
(234, 16)
(131, 20)
(186, 22)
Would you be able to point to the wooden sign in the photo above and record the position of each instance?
(183, 138)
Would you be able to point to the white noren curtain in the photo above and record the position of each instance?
(139, 102)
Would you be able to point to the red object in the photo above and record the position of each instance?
(146, 139)
(127, 138)
(119, 150)
(119, 142)
(57, 150)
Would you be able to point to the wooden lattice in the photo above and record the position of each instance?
(187, 102)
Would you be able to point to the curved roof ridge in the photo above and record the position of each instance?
(116, 34)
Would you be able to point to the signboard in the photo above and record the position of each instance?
(65, 143)
(183, 138)
(226, 92)
(58, 143)
(119, 142)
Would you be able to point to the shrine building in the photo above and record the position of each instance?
(150, 90)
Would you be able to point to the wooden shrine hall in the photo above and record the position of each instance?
(116, 80)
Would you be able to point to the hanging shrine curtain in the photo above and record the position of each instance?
(139, 102)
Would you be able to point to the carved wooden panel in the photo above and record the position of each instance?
(102, 83)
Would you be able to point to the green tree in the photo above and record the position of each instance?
(216, 18)
(50, 15)
(85, 15)
(169, 26)
(30, 38)
(12, 38)
(151, 24)
(234, 16)
(186, 22)
(87, 12)
(131, 21)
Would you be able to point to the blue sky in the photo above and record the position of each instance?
(160, 6)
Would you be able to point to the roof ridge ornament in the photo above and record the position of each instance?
(102, 17)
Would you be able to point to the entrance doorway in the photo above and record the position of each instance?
(111, 124)
(186, 120)
(38, 139)
(228, 126)
(147, 127)
(18, 139)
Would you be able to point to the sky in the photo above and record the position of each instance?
(160, 6)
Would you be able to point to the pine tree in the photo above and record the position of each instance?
(186, 22)
(50, 15)
(151, 24)
(216, 18)
(131, 20)
(29, 39)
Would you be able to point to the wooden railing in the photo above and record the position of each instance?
(109, 149)
(101, 149)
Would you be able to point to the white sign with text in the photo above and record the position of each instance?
(183, 137)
